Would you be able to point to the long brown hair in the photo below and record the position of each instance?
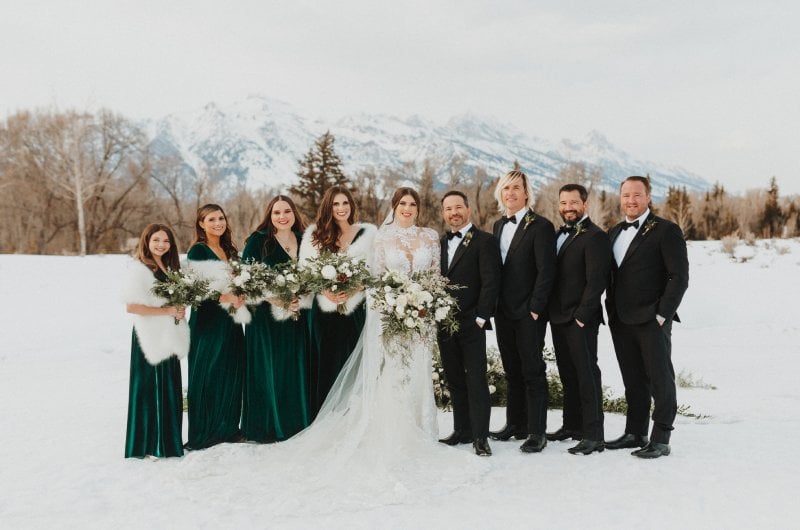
(327, 232)
(170, 260)
(399, 194)
(225, 241)
(266, 226)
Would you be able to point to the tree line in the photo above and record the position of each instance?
(80, 183)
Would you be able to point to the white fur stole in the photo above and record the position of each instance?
(363, 248)
(159, 336)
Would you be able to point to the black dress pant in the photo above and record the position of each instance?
(644, 353)
(521, 342)
(464, 363)
(576, 357)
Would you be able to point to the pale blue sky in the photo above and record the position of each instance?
(710, 86)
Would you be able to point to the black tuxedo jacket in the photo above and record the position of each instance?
(583, 265)
(476, 267)
(530, 267)
(653, 275)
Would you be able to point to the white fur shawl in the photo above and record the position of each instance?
(158, 336)
(218, 276)
(361, 248)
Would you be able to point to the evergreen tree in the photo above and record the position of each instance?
(320, 169)
(772, 216)
(678, 209)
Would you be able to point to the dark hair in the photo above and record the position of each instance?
(637, 178)
(268, 228)
(402, 192)
(458, 193)
(170, 260)
(575, 187)
(226, 240)
(327, 232)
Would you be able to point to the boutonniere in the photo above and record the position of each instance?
(580, 229)
(467, 238)
(648, 226)
(529, 218)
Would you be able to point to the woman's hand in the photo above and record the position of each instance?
(336, 298)
(294, 305)
(235, 301)
(178, 312)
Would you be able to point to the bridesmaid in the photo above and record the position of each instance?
(275, 395)
(155, 400)
(216, 355)
(333, 336)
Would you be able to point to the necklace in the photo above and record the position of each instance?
(286, 246)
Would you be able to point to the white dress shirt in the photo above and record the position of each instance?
(508, 233)
(626, 236)
(452, 243)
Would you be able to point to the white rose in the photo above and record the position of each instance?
(244, 276)
(390, 300)
(435, 376)
(328, 272)
(280, 279)
(402, 300)
(410, 322)
(426, 297)
(291, 278)
(492, 389)
(441, 313)
(415, 313)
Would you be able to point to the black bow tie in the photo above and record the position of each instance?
(512, 219)
(626, 225)
(451, 235)
(566, 229)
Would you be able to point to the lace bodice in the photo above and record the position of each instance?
(406, 249)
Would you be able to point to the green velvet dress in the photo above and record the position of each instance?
(333, 337)
(275, 393)
(155, 406)
(216, 370)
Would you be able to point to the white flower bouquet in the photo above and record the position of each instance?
(181, 288)
(288, 281)
(249, 279)
(338, 273)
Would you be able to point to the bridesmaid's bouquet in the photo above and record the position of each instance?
(412, 306)
(287, 282)
(249, 279)
(181, 288)
(338, 273)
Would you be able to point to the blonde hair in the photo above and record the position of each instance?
(505, 180)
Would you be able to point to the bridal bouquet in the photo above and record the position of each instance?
(249, 279)
(181, 288)
(338, 273)
(411, 307)
(287, 281)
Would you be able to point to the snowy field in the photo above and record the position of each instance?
(64, 361)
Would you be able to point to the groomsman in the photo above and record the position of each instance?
(649, 276)
(583, 265)
(528, 251)
(471, 259)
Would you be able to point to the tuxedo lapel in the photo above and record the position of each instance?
(518, 235)
(460, 249)
(443, 259)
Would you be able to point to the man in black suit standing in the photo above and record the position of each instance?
(471, 259)
(649, 276)
(583, 265)
(528, 251)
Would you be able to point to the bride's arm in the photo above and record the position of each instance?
(431, 240)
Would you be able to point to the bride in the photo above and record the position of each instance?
(374, 440)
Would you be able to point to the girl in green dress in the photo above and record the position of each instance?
(333, 335)
(155, 400)
(275, 395)
(216, 355)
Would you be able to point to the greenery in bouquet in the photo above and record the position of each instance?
(412, 307)
(181, 288)
(288, 281)
(338, 273)
(249, 279)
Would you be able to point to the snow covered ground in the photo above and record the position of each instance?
(63, 392)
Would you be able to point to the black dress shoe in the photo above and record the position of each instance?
(534, 444)
(507, 432)
(587, 447)
(458, 437)
(481, 446)
(627, 441)
(563, 434)
(652, 450)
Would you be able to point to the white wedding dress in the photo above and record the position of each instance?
(374, 440)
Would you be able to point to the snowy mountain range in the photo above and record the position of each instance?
(258, 141)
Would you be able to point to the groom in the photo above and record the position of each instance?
(470, 259)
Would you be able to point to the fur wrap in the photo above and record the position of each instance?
(361, 248)
(216, 272)
(158, 336)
